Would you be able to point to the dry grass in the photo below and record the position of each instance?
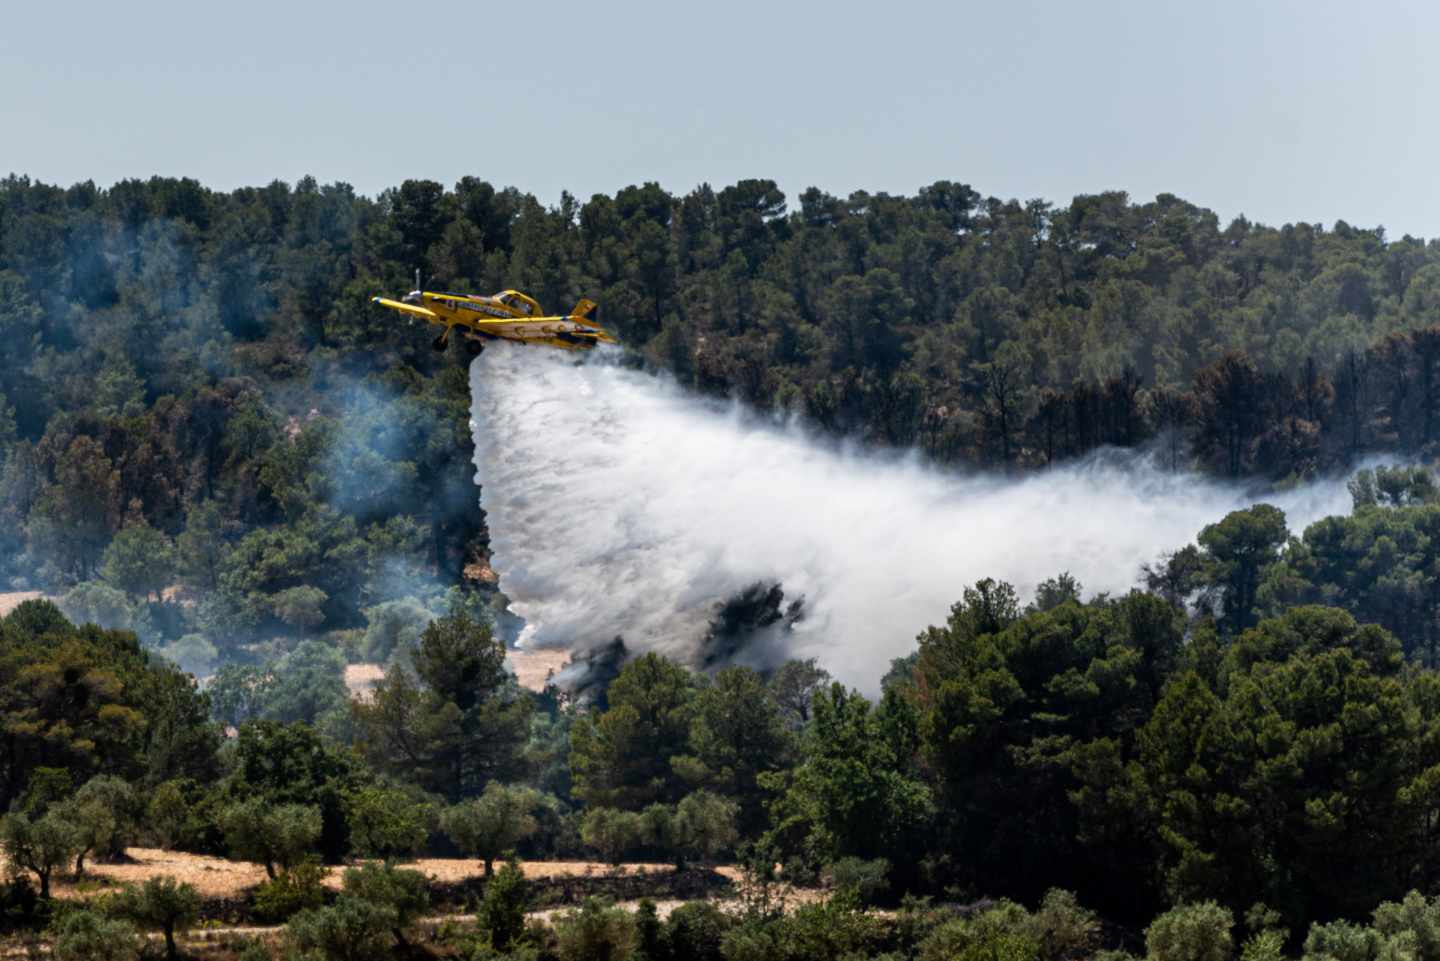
(218, 878)
(212, 877)
(362, 678)
(533, 668)
(12, 600)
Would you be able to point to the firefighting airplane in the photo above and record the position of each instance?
(508, 315)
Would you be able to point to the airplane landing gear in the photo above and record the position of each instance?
(440, 343)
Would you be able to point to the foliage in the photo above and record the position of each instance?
(387, 822)
(83, 935)
(611, 832)
(290, 892)
(164, 904)
(501, 914)
(277, 836)
(41, 845)
(491, 825)
(1191, 932)
(596, 930)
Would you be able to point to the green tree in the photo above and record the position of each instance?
(139, 561)
(1236, 552)
(623, 756)
(501, 915)
(491, 825)
(611, 831)
(737, 732)
(276, 836)
(457, 722)
(42, 845)
(387, 822)
(161, 903)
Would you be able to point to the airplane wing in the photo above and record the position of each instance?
(410, 309)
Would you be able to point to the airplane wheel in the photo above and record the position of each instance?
(474, 347)
(440, 343)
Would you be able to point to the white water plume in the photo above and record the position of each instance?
(620, 505)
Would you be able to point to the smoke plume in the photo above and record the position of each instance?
(619, 505)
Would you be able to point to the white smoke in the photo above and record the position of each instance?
(620, 505)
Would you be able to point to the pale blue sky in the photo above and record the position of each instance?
(1281, 110)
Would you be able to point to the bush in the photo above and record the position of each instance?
(296, 890)
(81, 935)
(867, 879)
(1191, 932)
(597, 931)
(1002, 934)
(1341, 941)
(352, 929)
(1063, 928)
(501, 914)
(405, 894)
(694, 931)
(1267, 945)
(1413, 915)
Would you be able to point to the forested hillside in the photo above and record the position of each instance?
(200, 373)
(211, 443)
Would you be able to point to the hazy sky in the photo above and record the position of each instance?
(1283, 111)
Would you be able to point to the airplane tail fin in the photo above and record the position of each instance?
(583, 308)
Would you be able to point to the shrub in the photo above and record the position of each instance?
(597, 932)
(1191, 932)
(1341, 941)
(167, 816)
(352, 929)
(1414, 915)
(501, 914)
(1267, 945)
(1000, 934)
(705, 824)
(694, 931)
(296, 890)
(81, 935)
(867, 879)
(405, 894)
(1063, 928)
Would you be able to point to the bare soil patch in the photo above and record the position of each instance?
(533, 668)
(362, 678)
(222, 879)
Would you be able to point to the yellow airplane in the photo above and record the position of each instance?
(508, 315)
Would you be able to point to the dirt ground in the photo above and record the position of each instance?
(12, 600)
(218, 878)
(532, 669)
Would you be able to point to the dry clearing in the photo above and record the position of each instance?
(218, 878)
(532, 669)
